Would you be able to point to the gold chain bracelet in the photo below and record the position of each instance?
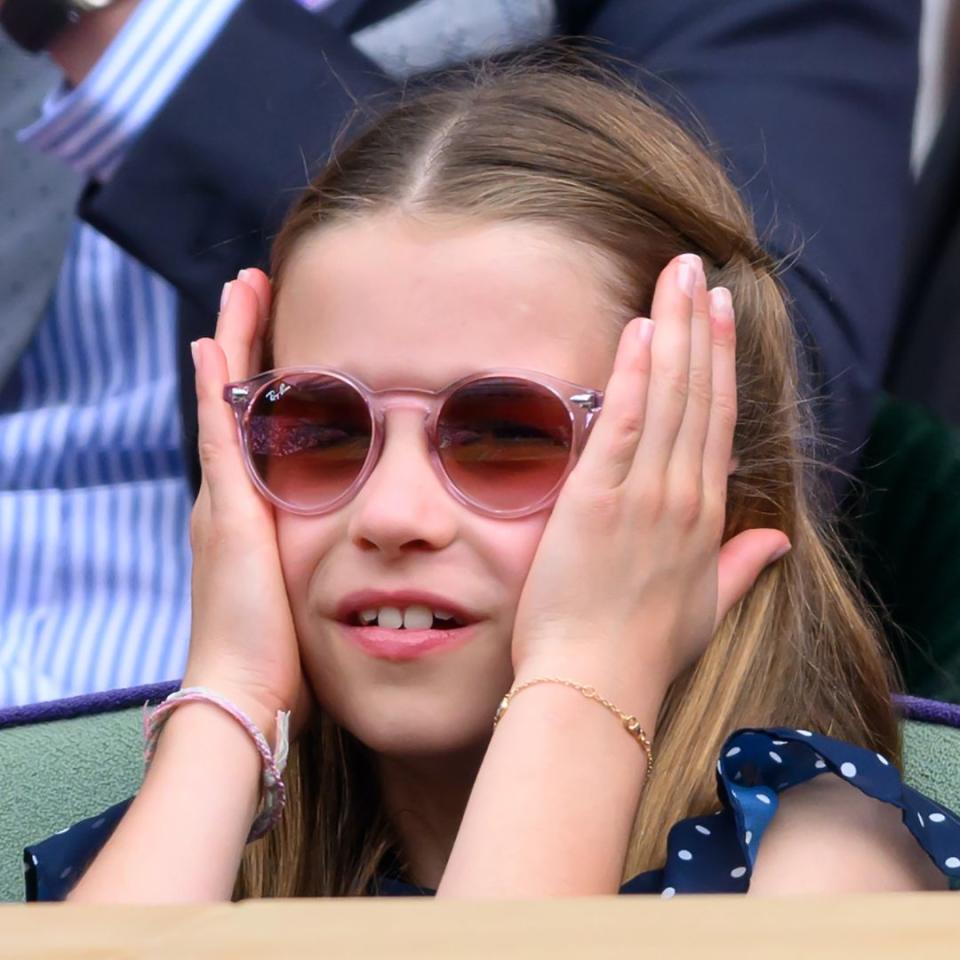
(631, 724)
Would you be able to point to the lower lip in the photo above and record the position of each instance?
(390, 644)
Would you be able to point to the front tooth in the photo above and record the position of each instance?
(369, 615)
(417, 617)
(390, 617)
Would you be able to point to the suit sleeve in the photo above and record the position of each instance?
(811, 103)
(205, 186)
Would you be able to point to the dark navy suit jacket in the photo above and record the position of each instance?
(811, 100)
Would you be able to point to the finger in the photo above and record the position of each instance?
(686, 462)
(237, 327)
(718, 446)
(670, 361)
(742, 559)
(221, 457)
(260, 283)
(612, 444)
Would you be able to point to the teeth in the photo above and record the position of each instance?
(390, 617)
(417, 616)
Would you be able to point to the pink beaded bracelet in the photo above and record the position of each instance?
(273, 791)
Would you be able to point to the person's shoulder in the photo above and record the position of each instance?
(828, 836)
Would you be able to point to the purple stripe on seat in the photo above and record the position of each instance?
(911, 708)
(86, 704)
(928, 711)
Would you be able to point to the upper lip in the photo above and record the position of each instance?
(374, 599)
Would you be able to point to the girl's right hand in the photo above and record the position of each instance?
(243, 643)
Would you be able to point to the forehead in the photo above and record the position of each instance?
(394, 300)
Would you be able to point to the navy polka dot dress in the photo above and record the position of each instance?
(711, 854)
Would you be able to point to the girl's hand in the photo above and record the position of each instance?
(630, 579)
(243, 642)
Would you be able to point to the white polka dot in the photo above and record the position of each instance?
(779, 743)
(685, 855)
(66, 873)
(738, 872)
(64, 830)
(738, 775)
(920, 817)
(883, 759)
(937, 818)
(775, 757)
(702, 829)
(820, 765)
(952, 862)
(98, 823)
(763, 798)
(805, 733)
(719, 768)
(33, 858)
(848, 769)
(732, 752)
(667, 893)
(748, 836)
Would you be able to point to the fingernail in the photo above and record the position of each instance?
(687, 270)
(244, 275)
(225, 295)
(645, 331)
(721, 303)
(782, 552)
(195, 353)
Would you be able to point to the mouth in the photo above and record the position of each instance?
(404, 625)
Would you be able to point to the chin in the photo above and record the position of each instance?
(409, 726)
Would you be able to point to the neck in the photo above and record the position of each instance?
(424, 799)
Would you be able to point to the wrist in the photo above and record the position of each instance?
(260, 712)
(640, 697)
(78, 48)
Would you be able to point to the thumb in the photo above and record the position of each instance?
(742, 559)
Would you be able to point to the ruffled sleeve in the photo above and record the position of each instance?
(716, 854)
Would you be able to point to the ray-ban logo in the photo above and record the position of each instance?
(274, 395)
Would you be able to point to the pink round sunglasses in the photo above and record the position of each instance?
(501, 441)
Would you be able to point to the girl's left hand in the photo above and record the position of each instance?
(630, 579)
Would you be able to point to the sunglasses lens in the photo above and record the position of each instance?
(309, 437)
(505, 443)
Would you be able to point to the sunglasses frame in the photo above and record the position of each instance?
(583, 405)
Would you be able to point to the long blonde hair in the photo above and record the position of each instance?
(571, 146)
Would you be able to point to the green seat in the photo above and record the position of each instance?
(68, 760)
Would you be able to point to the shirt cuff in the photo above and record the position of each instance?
(90, 126)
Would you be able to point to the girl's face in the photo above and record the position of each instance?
(400, 303)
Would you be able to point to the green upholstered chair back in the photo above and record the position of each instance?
(69, 759)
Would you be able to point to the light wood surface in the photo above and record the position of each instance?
(911, 926)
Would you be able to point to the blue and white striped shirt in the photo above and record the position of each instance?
(94, 503)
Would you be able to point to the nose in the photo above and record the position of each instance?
(403, 505)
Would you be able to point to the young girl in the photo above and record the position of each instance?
(507, 446)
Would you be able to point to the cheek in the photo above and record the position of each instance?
(511, 546)
(303, 543)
